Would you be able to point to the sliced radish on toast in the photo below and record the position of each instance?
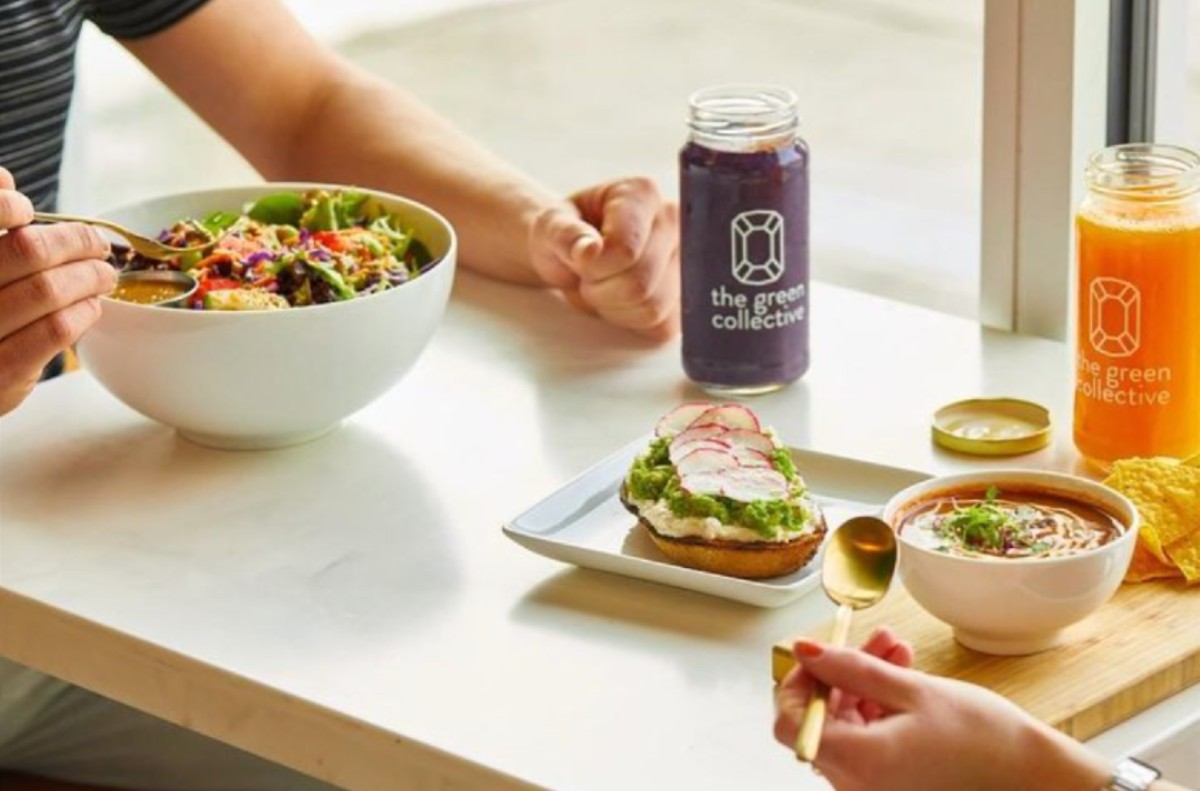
(742, 438)
(680, 418)
(709, 483)
(697, 433)
(706, 460)
(755, 483)
(749, 457)
(729, 415)
(677, 452)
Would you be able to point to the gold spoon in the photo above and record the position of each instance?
(151, 248)
(859, 562)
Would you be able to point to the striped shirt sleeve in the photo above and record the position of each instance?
(130, 19)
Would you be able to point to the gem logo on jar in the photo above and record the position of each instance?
(1114, 316)
(757, 247)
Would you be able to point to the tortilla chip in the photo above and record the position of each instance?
(1145, 566)
(1167, 495)
(1148, 538)
(1186, 555)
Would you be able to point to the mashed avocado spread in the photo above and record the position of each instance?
(653, 477)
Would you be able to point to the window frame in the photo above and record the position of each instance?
(1044, 110)
(1132, 70)
(1148, 46)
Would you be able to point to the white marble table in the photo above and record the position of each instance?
(351, 608)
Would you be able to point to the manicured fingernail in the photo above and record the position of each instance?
(806, 649)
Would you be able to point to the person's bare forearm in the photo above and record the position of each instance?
(316, 117)
(1059, 763)
(1055, 761)
(299, 112)
(361, 130)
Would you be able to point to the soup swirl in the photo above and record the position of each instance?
(1009, 524)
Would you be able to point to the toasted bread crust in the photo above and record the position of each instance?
(745, 559)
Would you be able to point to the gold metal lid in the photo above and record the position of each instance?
(992, 426)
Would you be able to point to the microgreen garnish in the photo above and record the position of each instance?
(979, 525)
(991, 525)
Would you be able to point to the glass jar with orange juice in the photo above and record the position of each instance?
(1137, 384)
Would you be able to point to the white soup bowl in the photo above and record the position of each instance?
(1012, 606)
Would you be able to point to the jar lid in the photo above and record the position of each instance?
(992, 426)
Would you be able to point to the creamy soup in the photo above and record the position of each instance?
(1012, 523)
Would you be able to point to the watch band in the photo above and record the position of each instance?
(1132, 775)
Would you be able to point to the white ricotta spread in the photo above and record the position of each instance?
(659, 515)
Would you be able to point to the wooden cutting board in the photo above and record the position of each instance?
(1139, 648)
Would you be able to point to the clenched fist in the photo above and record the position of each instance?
(614, 251)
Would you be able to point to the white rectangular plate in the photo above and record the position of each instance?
(584, 523)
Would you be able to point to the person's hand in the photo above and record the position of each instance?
(50, 279)
(791, 697)
(614, 252)
(894, 729)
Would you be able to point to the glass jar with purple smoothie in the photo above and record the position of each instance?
(744, 246)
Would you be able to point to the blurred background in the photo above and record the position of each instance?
(576, 91)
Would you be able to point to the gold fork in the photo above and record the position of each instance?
(151, 248)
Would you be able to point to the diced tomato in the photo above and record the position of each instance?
(211, 284)
(219, 283)
(330, 240)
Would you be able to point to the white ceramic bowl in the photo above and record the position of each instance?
(266, 379)
(1015, 605)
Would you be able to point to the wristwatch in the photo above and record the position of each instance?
(1132, 775)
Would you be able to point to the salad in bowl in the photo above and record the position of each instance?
(309, 302)
(288, 250)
